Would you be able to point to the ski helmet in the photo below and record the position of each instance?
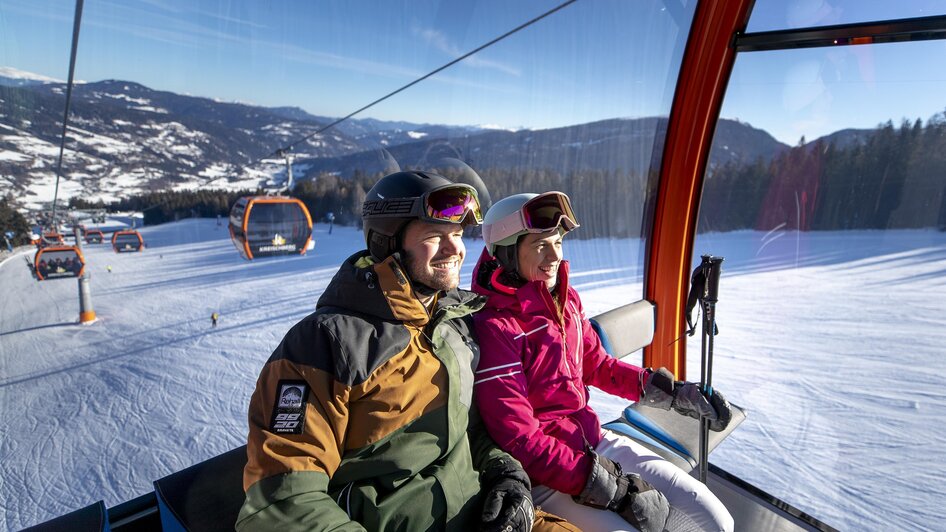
(520, 214)
(400, 197)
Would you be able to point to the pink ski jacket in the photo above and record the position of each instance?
(531, 382)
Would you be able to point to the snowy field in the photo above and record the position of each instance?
(832, 341)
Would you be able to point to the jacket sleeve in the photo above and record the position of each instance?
(288, 469)
(501, 393)
(599, 368)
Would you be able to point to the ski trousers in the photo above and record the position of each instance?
(693, 505)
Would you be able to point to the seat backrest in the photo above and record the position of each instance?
(627, 328)
(92, 518)
(204, 497)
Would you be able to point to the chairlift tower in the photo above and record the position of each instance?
(86, 312)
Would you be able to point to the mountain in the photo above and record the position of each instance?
(125, 138)
(376, 133)
(11, 77)
(615, 144)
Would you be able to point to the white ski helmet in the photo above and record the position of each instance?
(520, 214)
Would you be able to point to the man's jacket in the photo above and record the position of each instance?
(361, 417)
(538, 357)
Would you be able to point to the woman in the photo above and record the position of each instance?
(538, 352)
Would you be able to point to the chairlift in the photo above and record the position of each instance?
(58, 262)
(267, 226)
(127, 241)
(94, 236)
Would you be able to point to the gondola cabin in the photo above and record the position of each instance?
(94, 236)
(51, 239)
(267, 226)
(127, 241)
(58, 262)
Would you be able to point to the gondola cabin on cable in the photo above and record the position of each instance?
(51, 239)
(94, 236)
(58, 262)
(127, 241)
(267, 226)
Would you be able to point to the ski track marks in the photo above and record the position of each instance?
(838, 425)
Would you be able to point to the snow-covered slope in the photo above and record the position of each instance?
(837, 426)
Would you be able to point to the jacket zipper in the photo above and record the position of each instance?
(560, 314)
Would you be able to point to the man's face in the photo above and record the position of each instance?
(539, 256)
(433, 253)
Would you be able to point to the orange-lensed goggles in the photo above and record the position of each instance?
(451, 204)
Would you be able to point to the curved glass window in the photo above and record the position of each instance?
(831, 296)
(182, 108)
(768, 15)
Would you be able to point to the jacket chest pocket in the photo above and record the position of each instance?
(467, 355)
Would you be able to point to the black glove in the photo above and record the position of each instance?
(661, 391)
(630, 496)
(507, 506)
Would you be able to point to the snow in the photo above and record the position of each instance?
(832, 341)
(13, 73)
(416, 134)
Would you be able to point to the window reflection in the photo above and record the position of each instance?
(834, 246)
(181, 111)
(768, 15)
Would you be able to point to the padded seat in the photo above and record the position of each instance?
(204, 497)
(672, 436)
(92, 518)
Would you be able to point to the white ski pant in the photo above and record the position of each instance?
(693, 505)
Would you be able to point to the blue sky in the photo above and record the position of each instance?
(589, 61)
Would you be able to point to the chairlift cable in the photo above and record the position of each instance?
(322, 129)
(77, 23)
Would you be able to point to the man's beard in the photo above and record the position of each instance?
(426, 279)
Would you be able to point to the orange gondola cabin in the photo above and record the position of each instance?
(127, 241)
(58, 262)
(267, 226)
(94, 236)
(51, 239)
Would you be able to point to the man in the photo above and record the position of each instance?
(362, 418)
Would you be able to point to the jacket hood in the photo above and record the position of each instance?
(383, 289)
(528, 298)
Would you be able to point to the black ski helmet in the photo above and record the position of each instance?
(393, 202)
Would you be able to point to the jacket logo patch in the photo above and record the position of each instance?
(289, 407)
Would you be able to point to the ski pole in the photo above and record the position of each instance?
(710, 268)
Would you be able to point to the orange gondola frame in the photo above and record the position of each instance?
(42, 271)
(125, 248)
(94, 236)
(239, 226)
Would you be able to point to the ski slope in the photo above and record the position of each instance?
(838, 426)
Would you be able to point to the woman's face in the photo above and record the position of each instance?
(539, 256)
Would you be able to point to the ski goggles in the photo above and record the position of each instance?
(450, 204)
(540, 214)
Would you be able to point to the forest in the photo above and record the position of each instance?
(891, 178)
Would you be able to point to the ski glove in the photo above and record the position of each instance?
(508, 503)
(628, 495)
(661, 391)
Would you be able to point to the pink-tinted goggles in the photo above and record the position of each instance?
(540, 214)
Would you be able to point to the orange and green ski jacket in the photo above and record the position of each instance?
(361, 418)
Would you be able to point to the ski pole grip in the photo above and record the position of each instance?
(712, 266)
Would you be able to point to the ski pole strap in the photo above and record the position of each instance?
(697, 288)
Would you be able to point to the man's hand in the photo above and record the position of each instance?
(661, 391)
(508, 504)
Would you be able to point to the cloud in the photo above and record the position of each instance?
(440, 41)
